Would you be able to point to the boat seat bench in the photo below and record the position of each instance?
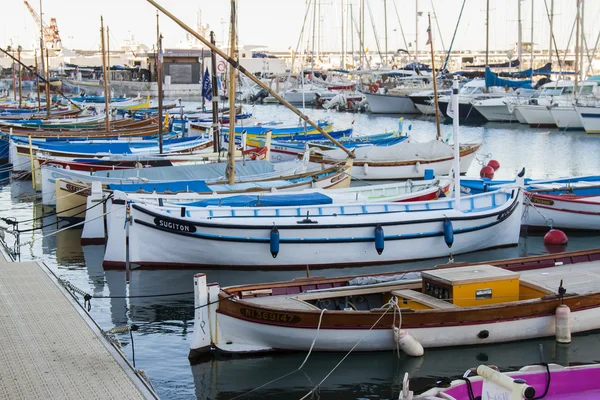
(422, 298)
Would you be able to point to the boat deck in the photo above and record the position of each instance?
(50, 348)
(581, 278)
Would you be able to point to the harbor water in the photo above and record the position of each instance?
(160, 302)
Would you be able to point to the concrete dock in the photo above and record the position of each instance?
(50, 348)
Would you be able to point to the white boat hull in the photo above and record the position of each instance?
(590, 118)
(536, 115)
(563, 214)
(495, 113)
(330, 235)
(566, 118)
(389, 104)
(373, 172)
(299, 97)
(247, 336)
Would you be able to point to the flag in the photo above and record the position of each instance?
(206, 86)
(428, 35)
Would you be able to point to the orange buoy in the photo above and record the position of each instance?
(487, 172)
(373, 88)
(555, 237)
(494, 164)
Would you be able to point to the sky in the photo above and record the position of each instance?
(277, 24)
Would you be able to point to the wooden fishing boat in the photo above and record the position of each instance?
(405, 160)
(542, 381)
(323, 235)
(70, 196)
(193, 194)
(564, 211)
(285, 150)
(448, 305)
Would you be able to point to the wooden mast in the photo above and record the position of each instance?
(232, 110)
(435, 93)
(20, 76)
(253, 78)
(48, 98)
(37, 71)
(106, 104)
(14, 77)
(45, 72)
(108, 64)
(215, 97)
(159, 81)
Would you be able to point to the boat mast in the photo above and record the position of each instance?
(342, 63)
(551, 29)
(487, 32)
(417, 31)
(45, 71)
(159, 81)
(456, 166)
(582, 44)
(352, 35)
(577, 44)
(519, 33)
(532, 9)
(385, 28)
(37, 71)
(361, 34)
(252, 77)
(312, 64)
(232, 110)
(435, 94)
(14, 78)
(19, 48)
(108, 64)
(106, 105)
(215, 97)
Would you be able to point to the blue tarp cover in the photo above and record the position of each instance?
(492, 79)
(277, 200)
(163, 187)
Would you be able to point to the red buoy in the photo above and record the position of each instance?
(494, 164)
(487, 172)
(555, 237)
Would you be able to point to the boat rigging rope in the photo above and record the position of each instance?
(297, 369)
(312, 391)
(56, 213)
(528, 202)
(63, 229)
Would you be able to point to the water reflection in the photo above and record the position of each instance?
(375, 374)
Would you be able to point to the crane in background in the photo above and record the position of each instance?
(51, 36)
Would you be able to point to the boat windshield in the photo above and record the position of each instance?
(471, 90)
(552, 92)
(586, 90)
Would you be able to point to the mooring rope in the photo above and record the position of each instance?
(297, 369)
(312, 391)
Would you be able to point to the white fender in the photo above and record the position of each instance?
(562, 319)
(366, 169)
(407, 343)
